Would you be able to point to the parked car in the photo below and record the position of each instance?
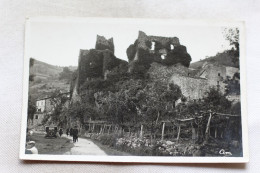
(51, 132)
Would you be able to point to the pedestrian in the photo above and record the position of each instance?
(61, 132)
(75, 134)
(30, 148)
(67, 132)
(71, 131)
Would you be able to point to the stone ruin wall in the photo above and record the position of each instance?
(165, 41)
(102, 44)
(165, 50)
(191, 87)
(159, 71)
(95, 63)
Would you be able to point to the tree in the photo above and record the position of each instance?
(66, 74)
(154, 102)
(31, 108)
(232, 35)
(81, 111)
(216, 101)
(31, 63)
(57, 101)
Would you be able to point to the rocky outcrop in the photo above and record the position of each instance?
(149, 49)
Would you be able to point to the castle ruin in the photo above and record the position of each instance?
(149, 49)
(96, 63)
(161, 57)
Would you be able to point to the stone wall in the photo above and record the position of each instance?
(37, 119)
(145, 42)
(191, 87)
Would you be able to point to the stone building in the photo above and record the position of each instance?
(44, 106)
(194, 83)
(217, 74)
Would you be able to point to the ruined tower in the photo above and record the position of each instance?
(96, 63)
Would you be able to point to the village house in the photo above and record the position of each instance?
(44, 107)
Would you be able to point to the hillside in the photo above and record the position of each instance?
(46, 79)
(221, 58)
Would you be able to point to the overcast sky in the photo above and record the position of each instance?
(58, 43)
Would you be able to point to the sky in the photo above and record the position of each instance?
(59, 42)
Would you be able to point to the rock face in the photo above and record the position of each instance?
(96, 63)
(149, 49)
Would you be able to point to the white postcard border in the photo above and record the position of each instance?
(137, 159)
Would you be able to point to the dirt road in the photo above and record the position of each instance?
(85, 147)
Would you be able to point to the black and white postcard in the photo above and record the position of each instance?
(134, 90)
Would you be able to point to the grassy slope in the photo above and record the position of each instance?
(46, 80)
(220, 58)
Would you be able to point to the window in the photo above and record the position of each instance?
(188, 74)
(153, 45)
(172, 47)
(36, 117)
(218, 83)
(218, 74)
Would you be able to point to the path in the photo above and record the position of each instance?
(85, 147)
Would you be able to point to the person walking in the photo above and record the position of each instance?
(67, 132)
(75, 134)
(71, 131)
(61, 132)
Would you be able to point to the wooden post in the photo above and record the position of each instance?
(208, 126)
(104, 129)
(141, 132)
(163, 127)
(109, 129)
(116, 128)
(173, 132)
(179, 131)
(216, 132)
(93, 127)
(100, 131)
(193, 134)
